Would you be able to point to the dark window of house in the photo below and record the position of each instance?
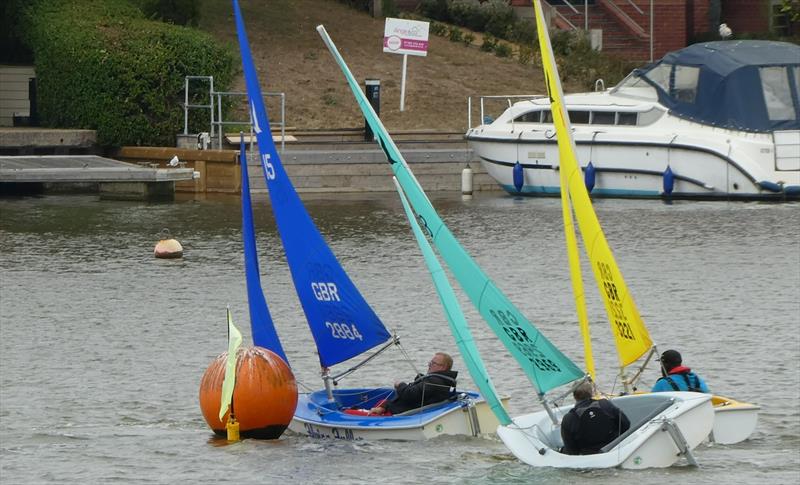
(603, 117)
(627, 119)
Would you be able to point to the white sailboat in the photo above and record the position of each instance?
(665, 427)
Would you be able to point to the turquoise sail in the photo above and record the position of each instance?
(455, 318)
(341, 321)
(545, 365)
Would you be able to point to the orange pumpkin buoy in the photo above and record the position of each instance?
(264, 398)
(168, 248)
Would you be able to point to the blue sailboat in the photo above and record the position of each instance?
(342, 323)
(664, 427)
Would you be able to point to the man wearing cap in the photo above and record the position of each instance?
(677, 377)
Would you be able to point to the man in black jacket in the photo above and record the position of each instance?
(433, 387)
(591, 424)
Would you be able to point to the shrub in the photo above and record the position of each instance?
(468, 39)
(179, 12)
(501, 18)
(438, 29)
(101, 65)
(502, 50)
(434, 9)
(525, 55)
(469, 13)
(455, 34)
(389, 8)
(489, 43)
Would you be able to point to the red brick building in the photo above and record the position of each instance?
(623, 26)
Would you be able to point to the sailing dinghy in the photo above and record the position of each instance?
(734, 421)
(342, 323)
(664, 426)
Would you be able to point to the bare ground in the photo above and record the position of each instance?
(290, 57)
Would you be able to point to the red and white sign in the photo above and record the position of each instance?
(402, 36)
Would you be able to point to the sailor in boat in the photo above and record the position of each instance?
(677, 377)
(592, 423)
(435, 386)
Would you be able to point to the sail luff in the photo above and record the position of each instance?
(455, 318)
(342, 323)
(630, 334)
(576, 278)
(545, 365)
(261, 324)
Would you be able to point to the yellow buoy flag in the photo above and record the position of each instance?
(234, 341)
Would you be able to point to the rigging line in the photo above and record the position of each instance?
(393, 341)
(408, 358)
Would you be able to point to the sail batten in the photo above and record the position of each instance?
(630, 334)
(342, 323)
(545, 366)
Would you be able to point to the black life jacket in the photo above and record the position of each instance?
(597, 426)
(692, 387)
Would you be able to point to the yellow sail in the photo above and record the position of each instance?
(630, 333)
(576, 277)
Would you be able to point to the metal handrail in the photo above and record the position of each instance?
(216, 123)
(221, 123)
(508, 99)
(187, 106)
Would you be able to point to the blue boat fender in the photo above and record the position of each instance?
(669, 181)
(517, 176)
(589, 177)
(771, 186)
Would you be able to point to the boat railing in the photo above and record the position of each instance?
(482, 103)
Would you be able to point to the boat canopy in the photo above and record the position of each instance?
(749, 85)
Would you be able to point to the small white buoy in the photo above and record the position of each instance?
(167, 247)
(466, 181)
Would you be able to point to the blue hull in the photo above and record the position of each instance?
(323, 419)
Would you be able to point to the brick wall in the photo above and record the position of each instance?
(746, 15)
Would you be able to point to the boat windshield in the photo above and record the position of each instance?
(742, 85)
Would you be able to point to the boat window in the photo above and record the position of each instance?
(547, 116)
(529, 117)
(635, 86)
(627, 119)
(603, 117)
(579, 117)
(685, 84)
(650, 116)
(796, 73)
(660, 75)
(777, 95)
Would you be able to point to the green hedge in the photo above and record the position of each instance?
(100, 64)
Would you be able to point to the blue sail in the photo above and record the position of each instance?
(341, 321)
(545, 365)
(264, 334)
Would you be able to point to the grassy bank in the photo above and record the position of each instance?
(291, 58)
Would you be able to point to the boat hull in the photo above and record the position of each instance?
(734, 421)
(468, 415)
(534, 439)
(635, 168)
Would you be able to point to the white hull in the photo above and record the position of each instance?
(734, 421)
(534, 439)
(456, 420)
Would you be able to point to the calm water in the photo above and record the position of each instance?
(103, 346)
